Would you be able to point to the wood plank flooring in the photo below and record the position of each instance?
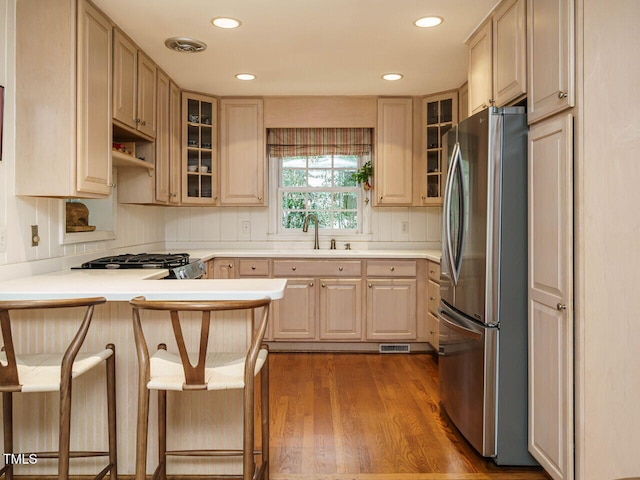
(337, 416)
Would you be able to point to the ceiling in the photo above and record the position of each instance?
(306, 47)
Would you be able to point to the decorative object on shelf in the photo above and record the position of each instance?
(363, 174)
(128, 148)
(78, 218)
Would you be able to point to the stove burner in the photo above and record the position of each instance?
(141, 260)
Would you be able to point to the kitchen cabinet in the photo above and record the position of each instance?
(550, 285)
(134, 88)
(199, 147)
(168, 147)
(393, 161)
(391, 300)
(63, 99)
(497, 58)
(222, 268)
(463, 101)
(480, 69)
(441, 113)
(551, 59)
(242, 150)
(339, 300)
(433, 301)
(509, 27)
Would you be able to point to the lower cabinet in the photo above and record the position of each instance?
(391, 309)
(340, 309)
(433, 300)
(294, 315)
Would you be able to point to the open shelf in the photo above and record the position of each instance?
(120, 159)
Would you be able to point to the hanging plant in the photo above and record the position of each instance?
(363, 174)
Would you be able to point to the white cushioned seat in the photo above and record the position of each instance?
(41, 372)
(223, 371)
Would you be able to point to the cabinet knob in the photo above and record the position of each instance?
(432, 271)
(323, 285)
(392, 268)
(340, 268)
(370, 285)
(253, 267)
(380, 197)
(260, 198)
(492, 101)
(144, 123)
(293, 268)
(432, 298)
(484, 105)
(137, 120)
(311, 284)
(562, 95)
(231, 265)
(561, 306)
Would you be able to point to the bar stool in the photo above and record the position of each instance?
(214, 371)
(54, 372)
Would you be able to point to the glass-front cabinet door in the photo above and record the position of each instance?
(440, 113)
(200, 161)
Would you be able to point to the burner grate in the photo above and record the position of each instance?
(140, 260)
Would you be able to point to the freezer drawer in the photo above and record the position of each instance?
(468, 377)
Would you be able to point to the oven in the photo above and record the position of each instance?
(180, 265)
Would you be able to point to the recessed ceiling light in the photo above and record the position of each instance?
(245, 76)
(225, 22)
(185, 45)
(426, 22)
(392, 76)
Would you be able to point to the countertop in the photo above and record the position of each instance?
(122, 285)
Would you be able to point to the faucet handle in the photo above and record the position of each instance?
(347, 246)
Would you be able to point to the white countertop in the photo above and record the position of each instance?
(206, 254)
(122, 285)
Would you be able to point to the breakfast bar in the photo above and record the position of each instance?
(191, 426)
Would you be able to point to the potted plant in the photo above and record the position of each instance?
(363, 174)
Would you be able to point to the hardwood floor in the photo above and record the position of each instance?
(368, 417)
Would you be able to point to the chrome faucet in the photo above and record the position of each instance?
(305, 228)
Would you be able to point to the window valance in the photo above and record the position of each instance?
(292, 142)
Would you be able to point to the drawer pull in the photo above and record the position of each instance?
(253, 267)
(432, 271)
(293, 268)
(392, 268)
(231, 265)
(432, 298)
(340, 268)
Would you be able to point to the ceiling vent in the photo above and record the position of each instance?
(185, 45)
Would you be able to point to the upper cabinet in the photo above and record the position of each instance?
(134, 87)
(63, 99)
(441, 113)
(497, 58)
(163, 139)
(243, 152)
(394, 155)
(551, 45)
(480, 70)
(199, 149)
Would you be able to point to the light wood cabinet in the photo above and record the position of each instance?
(480, 69)
(463, 101)
(550, 285)
(63, 99)
(391, 300)
(175, 144)
(340, 309)
(433, 302)
(223, 268)
(242, 152)
(393, 162)
(497, 58)
(134, 88)
(509, 27)
(440, 113)
(199, 149)
(551, 59)
(294, 315)
(163, 139)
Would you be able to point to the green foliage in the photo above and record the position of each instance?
(364, 173)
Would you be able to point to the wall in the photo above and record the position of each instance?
(135, 225)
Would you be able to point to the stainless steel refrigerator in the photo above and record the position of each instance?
(483, 309)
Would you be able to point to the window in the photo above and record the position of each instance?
(315, 168)
(322, 185)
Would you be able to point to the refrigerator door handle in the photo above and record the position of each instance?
(454, 264)
(467, 332)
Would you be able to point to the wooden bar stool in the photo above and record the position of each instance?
(54, 372)
(214, 371)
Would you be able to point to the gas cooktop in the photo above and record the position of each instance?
(140, 260)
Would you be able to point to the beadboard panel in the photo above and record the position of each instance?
(195, 419)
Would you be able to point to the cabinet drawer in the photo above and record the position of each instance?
(434, 271)
(253, 267)
(391, 268)
(316, 268)
(434, 297)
